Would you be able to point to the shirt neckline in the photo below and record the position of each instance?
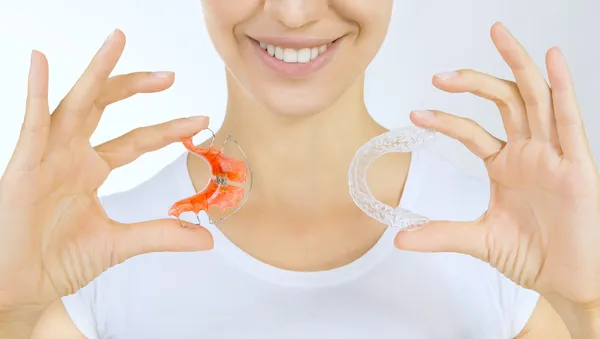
(300, 279)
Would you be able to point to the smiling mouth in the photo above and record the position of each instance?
(295, 55)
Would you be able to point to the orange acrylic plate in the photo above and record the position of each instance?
(228, 188)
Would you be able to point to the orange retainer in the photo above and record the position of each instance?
(218, 192)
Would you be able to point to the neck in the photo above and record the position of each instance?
(299, 162)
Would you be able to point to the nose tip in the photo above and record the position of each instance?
(296, 13)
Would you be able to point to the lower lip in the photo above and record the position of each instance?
(296, 70)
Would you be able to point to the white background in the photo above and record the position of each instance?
(426, 36)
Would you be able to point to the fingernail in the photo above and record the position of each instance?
(161, 74)
(197, 118)
(32, 63)
(447, 75)
(501, 25)
(109, 37)
(425, 114)
(561, 56)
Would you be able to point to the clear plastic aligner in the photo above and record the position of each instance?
(403, 139)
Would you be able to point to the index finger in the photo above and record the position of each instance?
(128, 147)
(121, 87)
(74, 108)
(531, 83)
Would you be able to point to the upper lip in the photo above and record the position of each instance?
(294, 42)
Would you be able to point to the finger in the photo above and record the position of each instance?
(125, 149)
(505, 94)
(165, 235)
(32, 141)
(444, 236)
(124, 86)
(468, 132)
(569, 124)
(121, 87)
(532, 85)
(72, 112)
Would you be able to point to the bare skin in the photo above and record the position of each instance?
(55, 235)
(523, 233)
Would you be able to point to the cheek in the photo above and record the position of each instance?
(225, 20)
(367, 13)
(372, 19)
(222, 18)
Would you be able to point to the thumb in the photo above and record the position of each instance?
(163, 235)
(446, 236)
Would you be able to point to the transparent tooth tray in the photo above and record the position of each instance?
(404, 139)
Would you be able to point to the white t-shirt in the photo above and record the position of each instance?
(226, 293)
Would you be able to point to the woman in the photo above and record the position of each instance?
(300, 259)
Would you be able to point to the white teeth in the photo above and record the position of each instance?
(279, 53)
(314, 53)
(291, 55)
(304, 55)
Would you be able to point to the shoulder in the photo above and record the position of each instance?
(545, 323)
(56, 323)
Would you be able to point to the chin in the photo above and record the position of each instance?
(295, 105)
(297, 100)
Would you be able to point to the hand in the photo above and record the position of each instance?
(54, 235)
(542, 226)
